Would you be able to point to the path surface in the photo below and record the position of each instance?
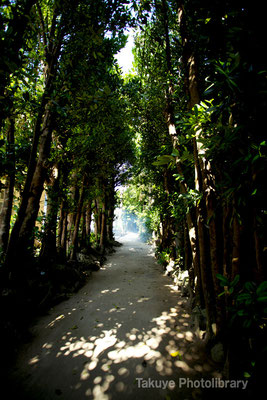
(126, 323)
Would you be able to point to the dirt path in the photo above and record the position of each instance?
(125, 325)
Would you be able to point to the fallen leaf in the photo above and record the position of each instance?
(176, 353)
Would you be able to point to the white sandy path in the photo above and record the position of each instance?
(127, 322)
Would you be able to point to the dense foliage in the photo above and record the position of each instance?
(199, 182)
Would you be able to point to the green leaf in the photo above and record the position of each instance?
(163, 160)
(247, 324)
(223, 280)
(175, 153)
(242, 313)
(243, 296)
(235, 281)
(262, 288)
(262, 299)
(250, 286)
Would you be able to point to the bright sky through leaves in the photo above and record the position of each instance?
(125, 56)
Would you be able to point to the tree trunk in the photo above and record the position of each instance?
(235, 268)
(33, 187)
(226, 241)
(75, 236)
(64, 236)
(74, 201)
(88, 220)
(49, 247)
(83, 238)
(21, 244)
(98, 220)
(62, 231)
(204, 177)
(5, 215)
(170, 119)
(103, 232)
(258, 249)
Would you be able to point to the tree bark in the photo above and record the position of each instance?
(103, 232)
(193, 238)
(226, 241)
(21, 244)
(74, 194)
(204, 177)
(98, 221)
(62, 231)
(75, 235)
(33, 187)
(258, 249)
(49, 247)
(5, 215)
(235, 267)
(88, 221)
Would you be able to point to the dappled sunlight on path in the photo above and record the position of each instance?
(128, 322)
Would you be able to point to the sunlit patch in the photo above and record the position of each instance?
(120, 344)
(92, 365)
(98, 393)
(142, 299)
(104, 343)
(106, 367)
(120, 386)
(78, 353)
(189, 336)
(34, 360)
(153, 343)
(123, 371)
(110, 378)
(182, 365)
(88, 353)
(139, 369)
(52, 323)
(88, 346)
(47, 346)
(97, 380)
